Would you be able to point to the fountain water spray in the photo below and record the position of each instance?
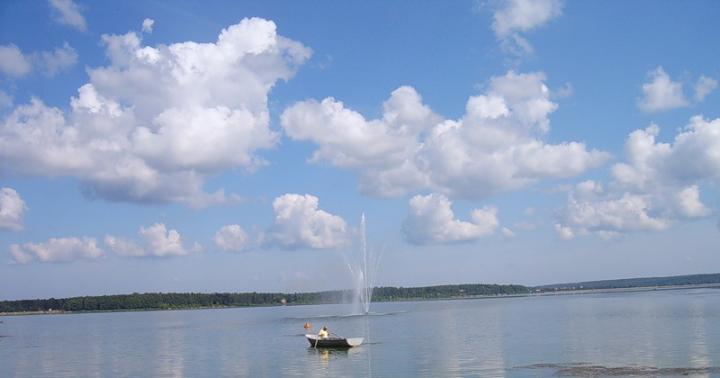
(362, 272)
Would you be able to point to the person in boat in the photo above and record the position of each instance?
(323, 334)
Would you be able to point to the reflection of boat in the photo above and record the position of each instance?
(333, 342)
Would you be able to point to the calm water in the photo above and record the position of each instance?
(489, 337)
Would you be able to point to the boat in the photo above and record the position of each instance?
(333, 342)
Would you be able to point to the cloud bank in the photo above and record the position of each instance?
(496, 146)
(155, 122)
(657, 185)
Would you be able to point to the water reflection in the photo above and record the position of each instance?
(169, 360)
(699, 356)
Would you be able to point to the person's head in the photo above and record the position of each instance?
(324, 328)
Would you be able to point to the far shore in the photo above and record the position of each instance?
(467, 297)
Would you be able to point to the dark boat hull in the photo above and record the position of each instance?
(333, 342)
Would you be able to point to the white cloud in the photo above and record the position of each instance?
(495, 146)
(157, 241)
(515, 17)
(565, 233)
(58, 60)
(231, 238)
(658, 185)
(608, 213)
(152, 125)
(147, 25)
(13, 62)
(57, 250)
(690, 158)
(12, 209)
(689, 204)
(661, 93)
(68, 13)
(432, 221)
(16, 64)
(704, 86)
(299, 223)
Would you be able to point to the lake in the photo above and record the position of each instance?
(569, 335)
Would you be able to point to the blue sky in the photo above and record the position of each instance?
(185, 146)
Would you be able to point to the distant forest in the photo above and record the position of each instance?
(693, 279)
(161, 301)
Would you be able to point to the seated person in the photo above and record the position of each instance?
(323, 334)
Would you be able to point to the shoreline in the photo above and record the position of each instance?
(467, 297)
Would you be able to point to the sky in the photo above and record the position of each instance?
(234, 146)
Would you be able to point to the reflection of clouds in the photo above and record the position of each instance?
(484, 341)
(446, 345)
(169, 361)
(466, 338)
(658, 329)
(699, 356)
(614, 329)
(52, 345)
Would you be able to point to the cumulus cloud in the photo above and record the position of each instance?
(58, 60)
(155, 122)
(661, 93)
(157, 241)
(13, 62)
(689, 204)
(16, 64)
(12, 210)
(57, 250)
(231, 238)
(299, 223)
(147, 25)
(659, 184)
(496, 146)
(703, 87)
(431, 221)
(607, 214)
(513, 18)
(68, 13)
(690, 158)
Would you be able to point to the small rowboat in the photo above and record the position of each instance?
(333, 342)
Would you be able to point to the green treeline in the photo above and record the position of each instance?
(445, 291)
(163, 301)
(692, 279)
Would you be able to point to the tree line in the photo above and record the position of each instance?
(164, 301)
(627, 283)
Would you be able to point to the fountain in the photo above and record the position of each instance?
(362, 268)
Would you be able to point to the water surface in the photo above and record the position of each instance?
(528, 336)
